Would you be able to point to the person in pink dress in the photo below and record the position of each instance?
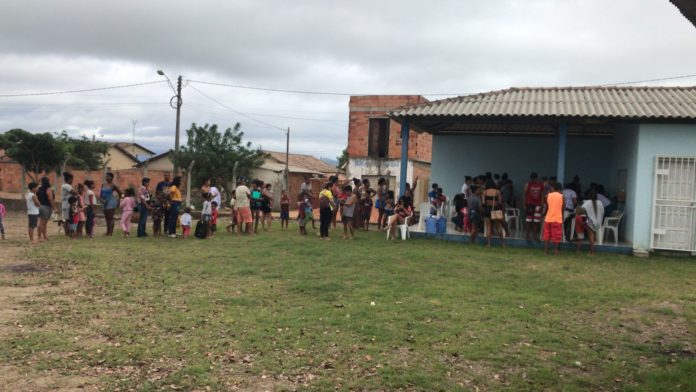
(82, 218)
(127, 206)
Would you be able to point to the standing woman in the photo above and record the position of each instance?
(46, 208)
(493, 212)
(367, 195)
(143, 206)
(381, 202)
(357, 214)
(325, 211)
(335, 191)
(106, 194)
(66, 191)
(90, 204)
(174, 205)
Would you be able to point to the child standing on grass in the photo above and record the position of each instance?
(213, 218)
(186, 222)
(3, 211)
(32, 209)
(127, 206)
(90, 204)
(73, 216)
(284, 209)
(302, 214)
(157, 216)
(207, 211)
(81, 206)
(233, 217)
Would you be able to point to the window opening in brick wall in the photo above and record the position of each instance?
(378, 144)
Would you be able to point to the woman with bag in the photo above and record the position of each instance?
(325, 211)
(493, 212)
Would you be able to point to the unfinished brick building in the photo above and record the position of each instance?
(374, 143)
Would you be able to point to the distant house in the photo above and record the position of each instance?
(126, 155)
(299, 165)
(161, 161)
(374, 143)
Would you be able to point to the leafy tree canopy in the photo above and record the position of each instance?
(83, 153)
(216, 152)
(36, 152)
(342, 159)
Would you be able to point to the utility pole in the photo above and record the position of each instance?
(287, 158)
(133, 144)
(178, 119)
(175, 105)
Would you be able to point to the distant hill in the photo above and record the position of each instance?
(329, 161)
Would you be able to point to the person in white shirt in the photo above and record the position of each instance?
(242, 196)
(207, 211)
(32, 209)
(185, 221)
(594, 211)
(466, 188)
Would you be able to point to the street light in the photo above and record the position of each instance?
(175, 103)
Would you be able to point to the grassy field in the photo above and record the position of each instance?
(282, 312)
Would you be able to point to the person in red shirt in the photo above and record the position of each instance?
(214, 218)
(533, 202)
(553, 222)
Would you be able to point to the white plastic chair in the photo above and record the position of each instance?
(403, 229)
(424, 210)
(513, 214)
(611, 223)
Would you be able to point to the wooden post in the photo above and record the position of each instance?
(188, 183)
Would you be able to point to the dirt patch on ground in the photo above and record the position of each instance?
(20, 281)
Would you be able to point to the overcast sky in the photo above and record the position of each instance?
(360, 47)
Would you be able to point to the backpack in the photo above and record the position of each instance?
(201, 230)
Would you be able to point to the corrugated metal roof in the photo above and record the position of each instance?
(599, 102)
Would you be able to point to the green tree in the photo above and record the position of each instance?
(83, 153)
(216, 152)
(342, 159)
(36, 152)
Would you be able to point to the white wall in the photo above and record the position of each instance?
(455, 156)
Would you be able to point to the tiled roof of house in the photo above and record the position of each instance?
(599, 102)
(308, 162)
(126, 149)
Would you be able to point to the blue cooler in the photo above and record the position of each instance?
(441, 225)
(431, 225)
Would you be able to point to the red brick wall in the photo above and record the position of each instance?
(12, 181)
(362, 108)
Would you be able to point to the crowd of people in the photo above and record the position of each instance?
(485, 199)
(350, 202)
(482, 204)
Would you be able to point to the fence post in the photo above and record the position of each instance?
(188, 183)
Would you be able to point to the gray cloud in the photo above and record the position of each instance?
(359, 46)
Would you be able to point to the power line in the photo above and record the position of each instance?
(236, 111)
(650, 80)
(81, 91)
(278, 90)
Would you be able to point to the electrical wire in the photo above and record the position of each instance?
(305, 91)
(650, 80)
(82, 90)
(236, 111)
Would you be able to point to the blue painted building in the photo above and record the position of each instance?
(639, 142)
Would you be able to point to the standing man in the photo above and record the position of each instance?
(162, 194)
(533, 201)
(570, 198)
(242, 196)
(553, 223)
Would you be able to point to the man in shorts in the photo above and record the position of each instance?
(242, 196)
(533, 202)
(553, 222)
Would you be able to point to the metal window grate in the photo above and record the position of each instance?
(674, 204)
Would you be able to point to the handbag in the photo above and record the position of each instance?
(497, 215)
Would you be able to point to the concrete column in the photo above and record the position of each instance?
(404, 155)
(560, 167)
